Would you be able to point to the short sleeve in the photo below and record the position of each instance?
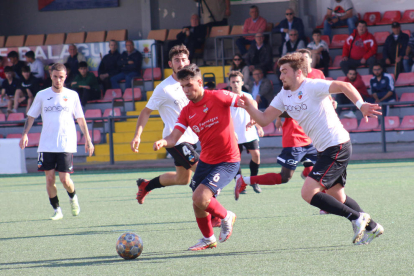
(227, 98)
(77, 109)
(278, 103)
(157, 99)
(36, 107)
(318, 88)
(182, 122)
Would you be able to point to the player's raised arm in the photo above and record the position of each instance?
(262, 118)
(27, 125)
(142, 121)
(350, 91)
(89, 148)
(169, 141)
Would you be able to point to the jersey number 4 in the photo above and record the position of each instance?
(186, 151)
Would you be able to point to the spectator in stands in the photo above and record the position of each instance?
(86, 84)
(192, 36)
(389, 50)
(382, 87)
(293, 44)
(2, 75)
(214, 12)
(109, 65)
(355, 79)
(287, 24)
(319, 52)
(261, 89)
(48, 81)
(260, 54)
(70, 77)
(9, 88)
(340, 12)
(409, 55)
(238, 64)
(254, 24)
(359, 49)
(28, 89)
(36, 66)
(16, 63)
(129, 63)
(74, 59)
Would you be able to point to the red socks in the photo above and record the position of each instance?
(216, 209)
(205, 226)
(306, 171)
(266, 179)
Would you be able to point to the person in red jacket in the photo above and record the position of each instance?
(359, 49)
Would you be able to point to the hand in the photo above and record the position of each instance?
(228, 12)
(85, 86)
(244, 102)
(406, 57)
(285, 30)
(258, 99)
(388, 61)
(250, 124)
(260, 131)
(334, 20)
(278, 123)
(371, 110)
(73, 83)
(89, 148)
(130, 62)
(135, 144)
(363, 60)
(344, 58)
(159, 144)
(23, 141)
(334, 103)
(398, 59)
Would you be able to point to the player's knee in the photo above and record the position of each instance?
(306, 194)
(183, 179)
(65, 180)
(285, 177)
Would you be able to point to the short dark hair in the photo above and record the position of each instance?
(1, 58)
(316, 31)
(258, 69)
(83, 64)
(254, 7)
(296, 61)
(8, 69)
(30, 54)
(362, 22)
(351, 69)
(189, 71)
(305, 51)
(377, 64)
(58, 67)
(234, 74)
(13, 54)
(178, 49)
(26, 69)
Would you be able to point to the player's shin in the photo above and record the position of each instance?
(216, 209)
(265, 179)
(333, 206)
(204, 224)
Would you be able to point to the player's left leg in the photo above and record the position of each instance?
(65, 167)
(254, 167)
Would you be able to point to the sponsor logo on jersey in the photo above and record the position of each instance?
(55, 108)
(300, 95)
(289, 96)
(196, 129)
(65, 98)
(205, 109)
(297, 107)
(50, 98)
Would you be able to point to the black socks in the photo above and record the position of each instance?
(54, 201)
(254, 168)
(154, 184)
(331, 205)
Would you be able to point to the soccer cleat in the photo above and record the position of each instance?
(215, 222)
(359, 226)
(142, 184)
(256, 188)
(243, 192)
(370, 235)
(322, 212)
(240, 187)
(57, 215)
(74, 204)
(227, 226)
(203, 244)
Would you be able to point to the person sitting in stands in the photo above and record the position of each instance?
(109, 65)
(17, 64)
(86, 84)
(319, 52)
(9, 88)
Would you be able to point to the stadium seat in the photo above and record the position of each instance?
(391, 122)
(407, 97)
(338, 41)
(109, 95)
(269, 129)
(367, 126)
(407, 123)
(55, 39)
(93, 113)
(15, 117)
(73, 38)
(405, 79)
(219, 31)
(14, 136)
(221, 86)
(172, 34)
(2, 39)
(35, 40)
(408, 17)
(326, 39)
(96, 137)
(148, 74)
(159, 35)
(98, 36)
(1, 136)
(389, 17)
(117, 35)
(366, 79)
(408, 32)
(380, 37)
(2, 118)
(336, 62)
(128, 94)
(34, 139)
(108, 112)
(349, 124)
(341, 78)
(329, 78)
(372, 18)
(237, 30)
(15, 41)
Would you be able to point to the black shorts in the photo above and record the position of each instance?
(59, 161)
(252, 145)
(290, 157)
(330, 168)
(184, 155)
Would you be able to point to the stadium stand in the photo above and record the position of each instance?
(336, 62)
(407, 123)
(269, 129)
(380, 37)
(98, 36)
(408, 17)
(96, 137)
(237, 30)
(73, 38)
(117, 35)
(35, 40)
(55, 39)
(219, 31)
(365, 126)
(158, 35)
(389, 17)
(109, 95)
(2, 39)
(172, 34)
(372, 18)
(34, 139)
(15, 41)
(15, 117)
(407, 97)
(93, 113)
(338, 41)
(366, 79)
(390, 123)
(326, 39)
(405, 79)
(148, 74)
(350, 124)
(108, 112)
(127, 96)
(2, 117)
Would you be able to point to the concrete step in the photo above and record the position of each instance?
(126, 137)
(125, 148)
(126, 157)
(129, 126)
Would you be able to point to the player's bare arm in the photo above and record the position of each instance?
(169, 141)
(84, 128)
(262, 118)
(142, 121)
(27, 126)
(350, 91)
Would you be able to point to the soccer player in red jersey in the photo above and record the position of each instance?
(208, 115)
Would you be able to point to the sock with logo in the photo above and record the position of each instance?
(266, 179)
(333, 206)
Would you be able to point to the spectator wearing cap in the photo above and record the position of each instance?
(86, 84)
(287, 24)
(16, 63)
(36, 66)
(74, 59)
(259, 54)
(399, 40)
(339, 13)
(252, 25)
(109, 65)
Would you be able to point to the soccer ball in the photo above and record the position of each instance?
(129, 246)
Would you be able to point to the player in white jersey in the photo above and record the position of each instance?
(246, 136)
(169, 99)
(58, 141)
(307, 102)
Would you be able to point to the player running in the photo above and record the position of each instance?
(58, 105)
(208, 114)
(246, 137)
(307, 102)
(169, 99)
